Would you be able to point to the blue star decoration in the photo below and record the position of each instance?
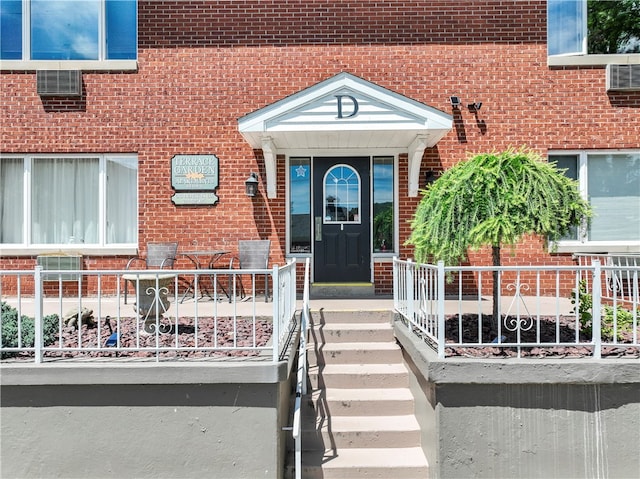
(301, 171)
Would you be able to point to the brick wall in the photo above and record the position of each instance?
(204, 64)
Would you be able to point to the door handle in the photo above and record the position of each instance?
(318, 228)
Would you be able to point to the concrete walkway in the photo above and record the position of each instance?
(207, 307)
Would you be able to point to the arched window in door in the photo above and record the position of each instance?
(341, 195)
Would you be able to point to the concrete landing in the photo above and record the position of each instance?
(342, 290)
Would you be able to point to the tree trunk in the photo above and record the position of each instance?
(495, 256)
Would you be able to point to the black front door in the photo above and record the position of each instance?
(342, 251)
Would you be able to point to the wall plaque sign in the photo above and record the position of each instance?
(194, 173)
(203, 198)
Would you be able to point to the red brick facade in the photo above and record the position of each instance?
(204, 64)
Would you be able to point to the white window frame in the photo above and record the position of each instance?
(379, 256)
(288, 204)
(389, 254)
(584, 58)
(324, 197)
(99, 248)
(582, 244)
(101, 64)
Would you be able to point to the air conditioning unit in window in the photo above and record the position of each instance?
(60, 262)
(59, 82)
(623, 77)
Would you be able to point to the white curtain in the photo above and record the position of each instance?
(11, 200)
(122, 200)
(65, 203)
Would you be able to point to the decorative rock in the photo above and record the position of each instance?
(184, 336)
(70, 319)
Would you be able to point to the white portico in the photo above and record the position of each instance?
(344, 115)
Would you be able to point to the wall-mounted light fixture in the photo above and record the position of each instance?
(430, 177)
(251, 184)
(475, 107)
(455, 102)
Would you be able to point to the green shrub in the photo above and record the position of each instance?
(584, 302)
(9, 318)
(624, 322)
(585, 306)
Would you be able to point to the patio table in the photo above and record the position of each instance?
(204, 259)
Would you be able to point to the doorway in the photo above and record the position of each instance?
(341, 205)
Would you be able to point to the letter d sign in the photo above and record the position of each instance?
(341, 115)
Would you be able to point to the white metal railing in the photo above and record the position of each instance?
(542, 310)
(301, 380)
(619, 280)
(215, 321)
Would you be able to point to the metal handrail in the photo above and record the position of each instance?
(619, 280)
(301, 384)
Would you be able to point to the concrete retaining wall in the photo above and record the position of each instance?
(215, 420)
(526, 418)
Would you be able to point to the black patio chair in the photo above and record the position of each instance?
(252, 254)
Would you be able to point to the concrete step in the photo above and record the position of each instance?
(338, 432)
(342, 290)
(357, 402)
(358, 420)
(355, 463)
(359, 376)
(324, 317)
(358, 353)
(351, 333)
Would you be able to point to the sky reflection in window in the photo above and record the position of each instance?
(64, 30)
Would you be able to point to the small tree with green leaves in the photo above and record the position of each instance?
(614, 27)
(494, 199)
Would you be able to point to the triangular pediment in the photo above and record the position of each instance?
(347, 109)
(374, 116)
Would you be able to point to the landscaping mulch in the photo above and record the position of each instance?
(220, 334)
